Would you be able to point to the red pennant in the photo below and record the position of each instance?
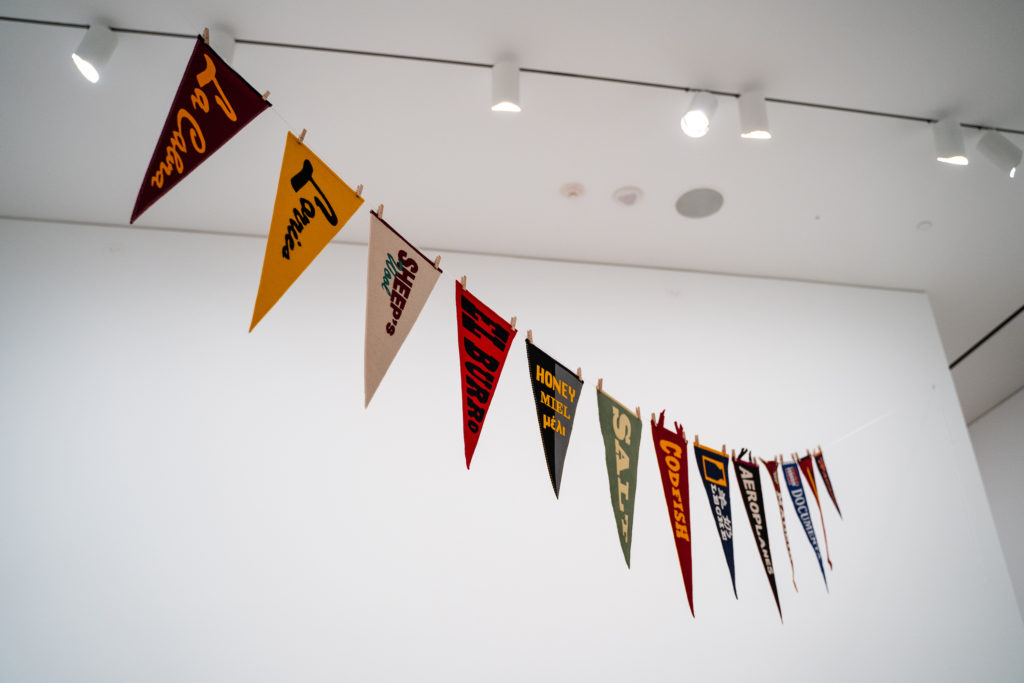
(819, 460)
(212, 104)
(670, 447)
(484, 341)
(807, 467)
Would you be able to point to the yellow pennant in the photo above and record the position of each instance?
(312, 206)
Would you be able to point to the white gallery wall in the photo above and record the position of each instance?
(182, 500)
(998, 438)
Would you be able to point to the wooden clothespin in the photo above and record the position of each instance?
(206, 36)
(380, 211)
(696, 439)
(600, 383)
(808, 451)
(579, 374)
(513, 323)
(359, 191)
(302, 136)
(529, 336)
(733, 453)
(652, 417)
(266, 95)
(437, 262)
(638, 413)
(724, 452)
(463, 281)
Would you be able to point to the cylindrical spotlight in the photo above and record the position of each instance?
(949, 142)
(94, 51)
(754, 116)
(1000, 151)
(505, 87)
(697, 119)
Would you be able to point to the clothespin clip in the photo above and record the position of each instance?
(638, 413)
(302, 136)
(733, 454)
(359, 191)
(463, 281)
(579, 374)
(266, 95)
(808, 451)
(513, 323)
(437, 262)
(723, 449)
(529, 336)
(600, 383)
(380, 211)
(206, 36)
(696, 439)
(652, 416)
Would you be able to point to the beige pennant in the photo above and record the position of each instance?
(312, 205)
(399, 280)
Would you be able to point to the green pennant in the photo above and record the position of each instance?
(621, 430)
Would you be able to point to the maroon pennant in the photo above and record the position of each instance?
(484, 341)
(212, 104)
(670, 447)
(819, 460)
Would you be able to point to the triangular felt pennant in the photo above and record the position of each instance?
(796, 494)
(621, 431)
(773, 471)
(212, 104)
(556, 392)
(807, 467)
(399, 280)
(312, 205)
(670, 447)
(714, 472)
(819, 460)
(748, 478)
(484, 341)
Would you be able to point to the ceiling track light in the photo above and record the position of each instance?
(1000, 151)
(697, 120)
(93, 53)
(949, 142)
(505, 87)
(754, 116)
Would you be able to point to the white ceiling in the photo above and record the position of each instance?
(834, 197)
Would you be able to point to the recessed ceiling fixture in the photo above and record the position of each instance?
(628, 196)
(93, 53)
(699, 203)
(697, 120)
(505, 87)
(949, 142)
(1000, 151)
(754, 116)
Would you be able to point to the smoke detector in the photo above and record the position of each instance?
(572, 190)
(628, 196)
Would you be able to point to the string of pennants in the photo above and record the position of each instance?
(213, 103)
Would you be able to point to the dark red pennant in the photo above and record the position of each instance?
(819, 460)
(484, 341)
(807, 467)
(212, 104)
(670, 447)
